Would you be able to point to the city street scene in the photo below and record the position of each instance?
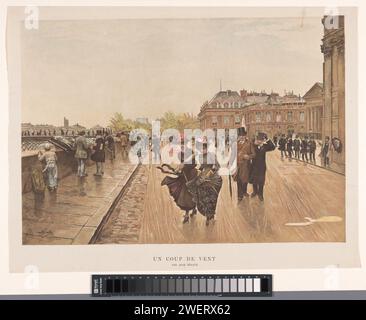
(107, 104)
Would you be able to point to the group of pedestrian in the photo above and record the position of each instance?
(303, 148)
(196, 184)
(298, 148)
(102, 146)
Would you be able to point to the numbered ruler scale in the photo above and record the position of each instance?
(182, 285)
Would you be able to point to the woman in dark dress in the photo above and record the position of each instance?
(206, 187)
(258, 174)
(177, 185)
(98, 155)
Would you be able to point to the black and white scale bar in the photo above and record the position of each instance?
(229, 285)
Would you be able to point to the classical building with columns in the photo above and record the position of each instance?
(314, 110)
(260, 111)
(333, 124)
(276, 115)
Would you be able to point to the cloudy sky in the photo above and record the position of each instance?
(87, 70)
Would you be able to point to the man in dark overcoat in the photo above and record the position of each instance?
(312, 149)
(245, 154)
(258, 173)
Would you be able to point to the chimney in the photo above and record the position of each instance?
(243, 93)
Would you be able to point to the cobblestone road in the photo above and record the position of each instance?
(124, 224)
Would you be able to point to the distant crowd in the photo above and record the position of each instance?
(102, 147)
(303, 148)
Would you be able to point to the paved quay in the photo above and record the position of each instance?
(73, 214)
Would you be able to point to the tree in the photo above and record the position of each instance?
(179, 121)
(119, 123)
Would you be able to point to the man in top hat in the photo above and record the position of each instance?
(312, 149)
(245, 153)
(258, 173)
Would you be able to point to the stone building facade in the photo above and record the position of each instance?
(333, 48)
(314, 110)
(260, 111)
(276, 115)
(223, 111)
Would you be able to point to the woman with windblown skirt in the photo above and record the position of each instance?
(206, 187)
(177, 185)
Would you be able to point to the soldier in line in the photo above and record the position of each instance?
(289, 146)
(258, 172)
(297, 144)
(312, 149)
(304, 149)
(282, 146)
(245, 153)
